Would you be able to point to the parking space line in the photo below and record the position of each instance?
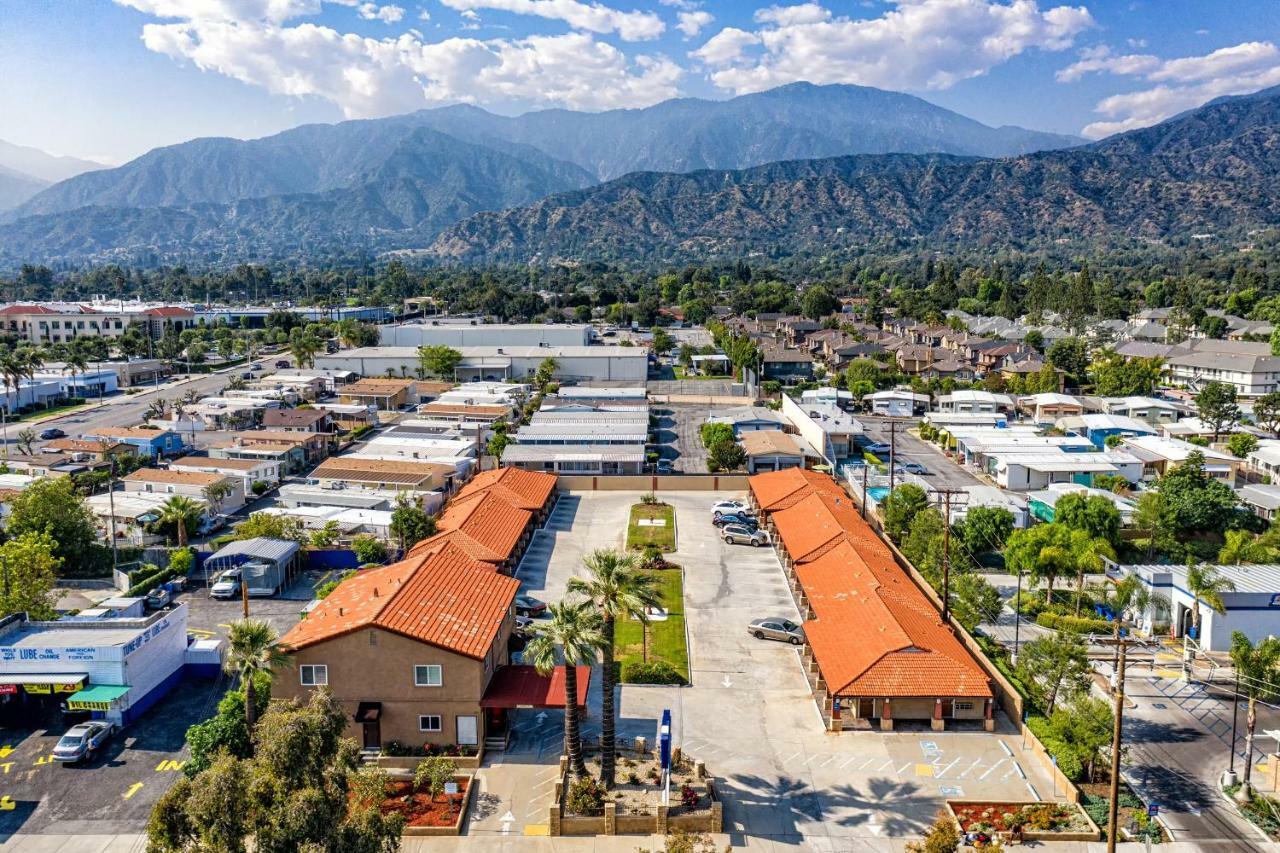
(867, 764)
(848, 761)
(903, 768)
(942, 771)
(790, 758)
(992, 768)
(887, 764)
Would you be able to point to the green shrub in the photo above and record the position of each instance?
(1076, 624)
(260, 488)
(431, 774)
(650, 672)
(584, 797)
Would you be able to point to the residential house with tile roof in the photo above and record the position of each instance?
(417, 653)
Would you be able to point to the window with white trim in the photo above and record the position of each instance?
(963, 706)
(428, 675)
(314, 674)
(430, 723)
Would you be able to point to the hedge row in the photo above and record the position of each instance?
(1076, 624)
(650, 672)
(144, 583)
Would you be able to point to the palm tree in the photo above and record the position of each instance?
(571, 636)
(253, 647)
(216, 493)
(1241, 546)
(74, 363)
(11, 372)
(616, 588)
(1256, 666)
(182, 512)
(1089, 554)
(1207, 585)
(303, 348)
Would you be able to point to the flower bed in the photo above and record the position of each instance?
(1035, 821)
(425, 814)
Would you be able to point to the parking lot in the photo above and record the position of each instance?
(749, 712)
(114, 791)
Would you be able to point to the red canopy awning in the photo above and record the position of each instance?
(521, 686)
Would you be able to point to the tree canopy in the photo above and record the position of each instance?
(52, 505)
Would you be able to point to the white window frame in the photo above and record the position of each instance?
(316, 669)
(428, 666)
(439, 727)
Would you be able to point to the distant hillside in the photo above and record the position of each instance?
(46, 168)
(396, 182)
(16, 187)
(1212, 171)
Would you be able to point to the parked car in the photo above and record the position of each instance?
(913, 468)
(227, 585)
(211, 525)
(82, 740)
(248, 374)
(721, 507)
(158, 598)
(524, 626)
(527, 605)
(664, 466)
(740, 534)
(777, 629)
(282, 362)
(51, 433)
(740, 518)
(257, 365)
(877, 448)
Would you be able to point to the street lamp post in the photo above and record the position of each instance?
(1017, 616)
(1229, 778)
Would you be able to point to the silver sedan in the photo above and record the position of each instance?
(777, 629)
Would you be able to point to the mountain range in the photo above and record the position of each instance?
(398, 182)
(25, 171)
(1210, 173)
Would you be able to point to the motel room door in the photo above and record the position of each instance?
(467, 733)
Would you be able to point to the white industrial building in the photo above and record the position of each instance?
(472, 332)
(1253, 609)
(503, 363)
(115, 667)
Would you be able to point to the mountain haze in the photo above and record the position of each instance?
(1210, 172)
(396, 182)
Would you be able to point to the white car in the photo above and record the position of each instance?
(720, 508)
(227, 585)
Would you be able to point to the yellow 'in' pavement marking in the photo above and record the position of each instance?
(924, 769)
(537, 829)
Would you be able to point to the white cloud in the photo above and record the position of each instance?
(726, 47)
(372, 77)
(917, 44)
(386, 14)
(691, 23)
(424, 15)
(592, 17)
(1181, 83)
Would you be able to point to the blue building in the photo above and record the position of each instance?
(1098, 428)
(150, 443)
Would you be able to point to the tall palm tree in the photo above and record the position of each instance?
(182, 512)
(1257, 667)
(11, 377)
(253, 646)
(303, 348)
(1241, 546)
(1088, 553)
(74, 363)
(616, 588)
(571, 636)
(1206, 585)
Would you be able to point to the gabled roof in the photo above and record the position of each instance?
(487, 520)
(529, 490)
(448, 600)
(777, 490)
(187, 478)
(293, 417)
(815, 524)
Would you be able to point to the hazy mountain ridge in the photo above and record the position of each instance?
(1209, 171)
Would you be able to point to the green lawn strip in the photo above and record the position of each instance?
(667, 638)
(662, 536)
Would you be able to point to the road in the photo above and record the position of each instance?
(943, 472)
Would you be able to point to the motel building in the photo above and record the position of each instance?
(112, 666)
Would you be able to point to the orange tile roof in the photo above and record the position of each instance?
(84, 445)
(780, 489)
(448, 600)
(488, 520)
(815, 524)
(525, 489)
(874, 633)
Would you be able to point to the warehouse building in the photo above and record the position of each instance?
(114, 667)
(504, 363)
(474, 332)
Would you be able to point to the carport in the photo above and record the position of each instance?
(269, 565)
(520, 686)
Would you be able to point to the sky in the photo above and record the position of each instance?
(110, 79)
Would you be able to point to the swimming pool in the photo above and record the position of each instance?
(877, 493)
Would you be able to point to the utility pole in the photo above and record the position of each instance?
(1117, 733)
(111, 501)
(244, 593)
(893, 448)
(865, 471)
(946, 549)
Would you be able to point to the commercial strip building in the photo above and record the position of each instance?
(115, 667)
(1253, 608)
(504, 363)
(582, 439)
(59, 322)
(877, 650)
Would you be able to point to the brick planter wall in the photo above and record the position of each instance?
(1092, 834)
(440, 831)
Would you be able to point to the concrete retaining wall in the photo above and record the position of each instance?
(653, 483)
(440, 831)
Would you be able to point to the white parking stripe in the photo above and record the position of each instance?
(903, 768)
(991, 768)
(867, 764)
(975, 763)
(942, 771)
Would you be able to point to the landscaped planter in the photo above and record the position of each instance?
(633, 807)
(1043, 821)
(426, 816)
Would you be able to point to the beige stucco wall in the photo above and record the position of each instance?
(373, 665)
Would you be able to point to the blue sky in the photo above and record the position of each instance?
(110, 80)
